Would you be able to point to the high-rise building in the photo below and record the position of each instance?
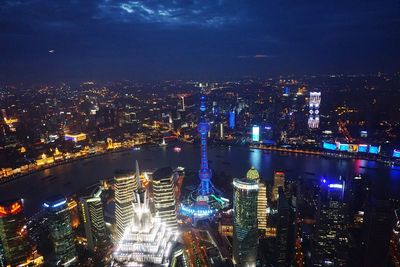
(285, 231)
(13, 233)
(146, 241)
(61, 234)
(164, 198)
(232, 119)
(331, 239)
(279, 181)
(93, 219)
(377, 230)
(314, 103)
(245, 239)
(262, 208)
(221, 131)
(125, 187)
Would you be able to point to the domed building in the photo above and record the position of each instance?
(253, 174)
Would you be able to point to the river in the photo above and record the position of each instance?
(234, 162)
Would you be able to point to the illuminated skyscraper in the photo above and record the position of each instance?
(245, 239)
(221, 131)
(125, 187)
(164, 198)
(232, 119)
(314, 103)
(60, 229)
(262, 208)
(13, 233)
(330, 246)
(146, 241)
(93, 219)
(279, 181)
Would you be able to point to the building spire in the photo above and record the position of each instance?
(203, 129)
(137, 176)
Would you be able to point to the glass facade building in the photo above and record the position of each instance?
(93, 219)
(330, 246)
(164, 197)
(13, 243)
(61, 234)
(125, 186)
(245, 239)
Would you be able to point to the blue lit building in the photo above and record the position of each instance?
(232, 119)
(205, 200)
(59, 223)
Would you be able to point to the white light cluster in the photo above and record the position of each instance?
(146, 240)
(314, 103)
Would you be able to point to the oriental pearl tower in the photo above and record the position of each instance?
(205, 201)
(204, 173)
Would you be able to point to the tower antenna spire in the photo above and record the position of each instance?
(137, 175)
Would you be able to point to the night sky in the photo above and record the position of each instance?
(62, 40)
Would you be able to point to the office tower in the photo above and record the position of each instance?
(146, 240)
(13, 233)
(377, 229)
(245, 239)
(279, 181)
(59, 223)
(285, 231)
(232, 119)
(164, 198)
(330, 245)
(357, 195)
(93, 219)
(221, 131)
(262, 209)
(314, 103)
(125, 187)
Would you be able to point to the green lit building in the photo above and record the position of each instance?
(59, 223)
(245, 230)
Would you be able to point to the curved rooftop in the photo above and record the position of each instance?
(252, 174)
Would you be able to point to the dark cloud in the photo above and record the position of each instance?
(195, 38)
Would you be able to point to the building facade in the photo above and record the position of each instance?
(125, 186)
(330, 246)
(61, 234)
(13, 233)
(245, 229)
(164, 197)
(93, 219)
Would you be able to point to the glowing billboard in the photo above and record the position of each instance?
(374, 149)
(329, 146)
(353, 148)
(363, 148)
(396, 153)
(255, 134)
(344, 147)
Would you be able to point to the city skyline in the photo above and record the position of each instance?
(115, 40)
(199, 133)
